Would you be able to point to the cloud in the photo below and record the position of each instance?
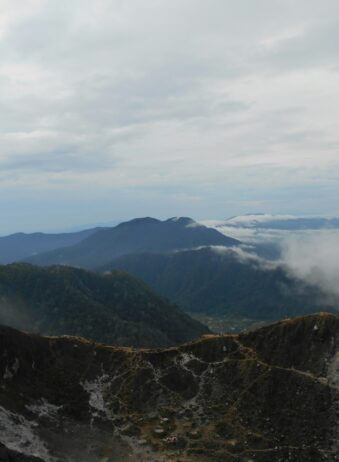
(242, 230)
(270, 228)
(314, 258)
(310, 256)
(256, 219)
(244, 254)
(231, 104)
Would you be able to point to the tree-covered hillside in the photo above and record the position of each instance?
(218, 283)
(113, 308)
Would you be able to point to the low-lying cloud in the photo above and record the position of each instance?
(244, 254)
(314, 258)
(310, 256)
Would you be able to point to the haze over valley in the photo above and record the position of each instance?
(219, 280)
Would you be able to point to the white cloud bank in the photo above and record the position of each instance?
(314, 258)
(310, 255)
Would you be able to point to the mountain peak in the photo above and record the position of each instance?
(136, 236)
(184, 221)
(140, 221)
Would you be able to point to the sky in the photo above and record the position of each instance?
(113, 109)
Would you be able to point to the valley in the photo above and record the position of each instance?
(228, 323)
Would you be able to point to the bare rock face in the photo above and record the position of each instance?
(269, 395)
(7, 455)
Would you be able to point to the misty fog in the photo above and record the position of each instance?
(312, 256)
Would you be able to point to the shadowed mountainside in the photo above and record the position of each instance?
(270, 395)
(213, 282)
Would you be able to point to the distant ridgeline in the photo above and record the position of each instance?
(136, 236)
(19, 246)
(113, 308)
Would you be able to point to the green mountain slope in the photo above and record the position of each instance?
(115, 309)
(211, 282)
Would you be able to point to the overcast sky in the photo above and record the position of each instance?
(112, 109)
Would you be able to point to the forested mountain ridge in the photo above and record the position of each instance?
(115, 308)
(135, 236)
(211, 281)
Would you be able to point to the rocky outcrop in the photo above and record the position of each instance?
(269, 395)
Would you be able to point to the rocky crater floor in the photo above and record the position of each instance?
(268, 395)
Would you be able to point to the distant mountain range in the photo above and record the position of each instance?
(96, 246)
(135, 236)
(189, 263)
(18, 246)
(115, 309)
(270, 395)
(212, 281)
